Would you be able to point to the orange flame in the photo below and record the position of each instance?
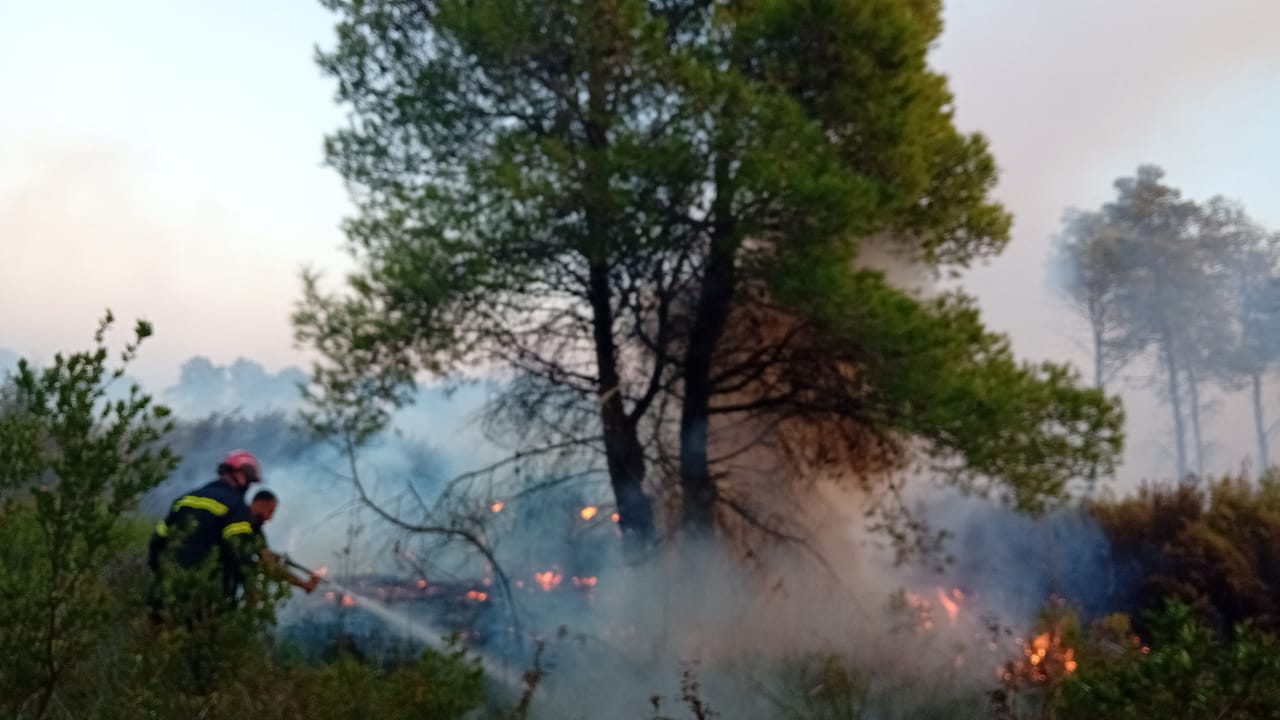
(477, 595)
(497, 506)
(952, 608)
(548, 579)
(614, 517)
(422, 582)
(348, 601)
(589, 512)
(589, 581)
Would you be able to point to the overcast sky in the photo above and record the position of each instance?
(163, 157)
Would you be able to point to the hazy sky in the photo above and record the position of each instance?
(163, 157)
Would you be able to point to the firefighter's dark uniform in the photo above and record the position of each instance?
(213, 519)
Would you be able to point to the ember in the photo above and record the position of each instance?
(497, 506)
(589, 581)
(589, 512)
(477, 595)
(614, 517)
(548, 579)
(348, 601)
(422, 583)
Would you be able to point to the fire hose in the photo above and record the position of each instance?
(299, 566)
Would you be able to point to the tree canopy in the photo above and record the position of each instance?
(650, 215)
(1193, 283)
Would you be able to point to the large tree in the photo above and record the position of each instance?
(1167, 296)
(654, 210)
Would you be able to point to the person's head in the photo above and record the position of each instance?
(240, 469)
(263, 507)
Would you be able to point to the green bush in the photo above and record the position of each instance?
(1187, 672)
(75, 637)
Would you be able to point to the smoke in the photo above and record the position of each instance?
(616, 634)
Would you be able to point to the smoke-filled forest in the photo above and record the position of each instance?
(657, 385)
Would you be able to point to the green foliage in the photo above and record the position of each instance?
(1215, 548)
(75, 636)
(437, 686)
(930, 368)
(73, 461)
(1189, 673)
(615, 197)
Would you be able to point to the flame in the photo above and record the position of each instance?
(951, 606)
(477, 595)
(614, 517)
(548, 579)
(589, 581)
(1047, 659)
(497, 506)
(422, 582)
(589, 512)
(348, 601)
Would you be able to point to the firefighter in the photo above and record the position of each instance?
(201, 529)
(253, 550)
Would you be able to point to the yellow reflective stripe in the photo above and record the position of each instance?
(237, 528)
(201, 503)
(162, 529)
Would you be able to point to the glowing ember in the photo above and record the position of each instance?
(589, 512)
(951, 606)
(589, 581)
(422, 583)
(348, 601)
(548, 579)
(477, 595)
(497, 506)
(614, 517)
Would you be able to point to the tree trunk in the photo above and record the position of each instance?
(1260, 424)
(715, 299)
(1193, 389)
(1175, 402)
(1097, 356)
(624, 455)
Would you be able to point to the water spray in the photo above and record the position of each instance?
(426, 635)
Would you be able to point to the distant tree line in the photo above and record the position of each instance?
(1193, 287)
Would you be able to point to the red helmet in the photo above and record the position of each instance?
(245, 462)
